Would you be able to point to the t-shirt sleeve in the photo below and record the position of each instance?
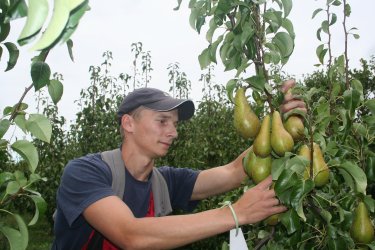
(180, 183)
(84, 181)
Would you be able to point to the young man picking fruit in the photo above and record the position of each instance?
(91, 216)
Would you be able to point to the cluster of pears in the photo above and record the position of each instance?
(362, 230)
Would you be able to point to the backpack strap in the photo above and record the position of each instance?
(162, 202)
(114, 160)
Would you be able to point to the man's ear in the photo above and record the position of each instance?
(127, 123)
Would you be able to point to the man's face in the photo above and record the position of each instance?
(155, 131)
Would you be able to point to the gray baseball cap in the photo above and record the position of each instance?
(157, 100)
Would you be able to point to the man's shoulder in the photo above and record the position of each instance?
(86, 163)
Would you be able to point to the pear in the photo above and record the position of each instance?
(262, 143)
(320, 168)
(246, 121)
(362, 230)
(258, 168)
(304, 151)
(281, 140)
(294, 126)
(246, 162)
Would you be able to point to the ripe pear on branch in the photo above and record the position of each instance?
(281, 140)
(304, 151)
(246, 122)
(320, 168)
(257, 168)
(262, 143)
(362, 230)
(294, 126)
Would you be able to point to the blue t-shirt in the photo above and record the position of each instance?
(88, 179)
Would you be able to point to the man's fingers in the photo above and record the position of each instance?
(287, 85)
(265, 184)
(294, 104)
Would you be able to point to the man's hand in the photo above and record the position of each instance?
(290, 102)
(258, 203)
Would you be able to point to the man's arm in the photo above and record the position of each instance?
(115, 221)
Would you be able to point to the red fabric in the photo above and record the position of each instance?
(108, 245)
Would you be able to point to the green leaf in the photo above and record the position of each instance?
(288, 26)
(204, 58)
(299, 192)
(39, 126)
(28, 152)
(316, 12)
(20, 121)
(325, 26)
(347, 10)
(18, 239)
(13, 55)
(74, 18)
(258, 82)
(287, 4)
(370, 104)
(4, 31)
(213, 49)
(357, 85)
(40, 74)
(59, 19)
(36, 16)
(55, 90)
(5, 177)
(69, 44)
(333, 19)
(211, 30)
(284, 43)
(12, 187)
(351, 101)
(4, 126)
(291, 221)
(359, 177)
(321, 52)
(231, 85)
(40, 208)
(178, 5)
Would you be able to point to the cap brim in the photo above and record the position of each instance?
(185, 108)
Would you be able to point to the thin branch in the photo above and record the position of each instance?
(266, 239)
(347, 84)
(18, 105)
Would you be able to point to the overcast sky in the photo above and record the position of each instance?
(115, 24)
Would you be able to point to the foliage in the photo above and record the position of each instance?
(339, 118)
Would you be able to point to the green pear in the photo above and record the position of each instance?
(246, 162)
(304, 151)
(320, 168)
(294, 126)
(258, 168)
(262, 143)
(246, 121)
(362, 230)
(281, 140)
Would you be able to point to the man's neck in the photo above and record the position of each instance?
(139, 166)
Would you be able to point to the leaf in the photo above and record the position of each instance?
(13, 55)
(213, 49)
(204, 58)
(40, 208)
(73, 21)
(284, 43)
(231, 85)
(287, 4)
(178, 5)
(359, 177)
(257, 82)
(351, 101)
(347, 10)
(12, 187)
(69, 44)
(370, 104)
(28, 152)
(333, 19)
(4, 126)
(4, 31)
(59, 19)
(40, 74)
(55, 90)
(357, 85)
(20, 121)
(291, 221)
(18, 239)
(211, 30)
(316, 12)
(40, 127)
(299, 192)
(288, 26)
(36, 16)
(325, 26)
(321, 52)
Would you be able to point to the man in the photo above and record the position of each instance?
(88, 209)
